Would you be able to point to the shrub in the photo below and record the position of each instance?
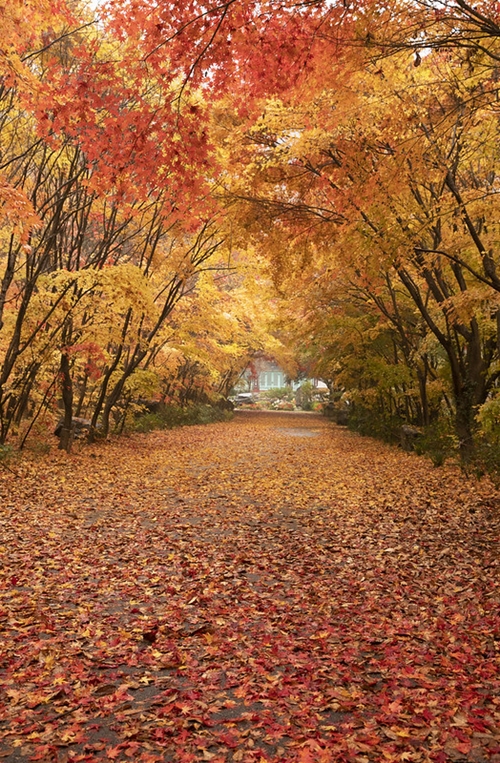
(278, 393)
(6, 452)
(304, 396)
(437, 442)
(170, 416)
(283, 405)
(373, 423)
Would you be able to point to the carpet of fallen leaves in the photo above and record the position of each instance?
(271, 589)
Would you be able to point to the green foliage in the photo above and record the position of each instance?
(486, 454)
(170, 416)
(304, 396)
(438, 442)
(486, 458)
(488, 417)
(278, 393)
(6, 452)
(373, 422)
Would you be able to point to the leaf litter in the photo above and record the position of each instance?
(237, 593)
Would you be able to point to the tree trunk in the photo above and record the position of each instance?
(66, 436)
(464, 425)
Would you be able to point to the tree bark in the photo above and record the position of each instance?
(66, 436)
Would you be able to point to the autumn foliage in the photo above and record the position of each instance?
(376, 180)
(115, 251)
(345, 151)
(184, 185)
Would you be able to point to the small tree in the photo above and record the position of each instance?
(304, 396)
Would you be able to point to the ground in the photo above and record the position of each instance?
(275, 588)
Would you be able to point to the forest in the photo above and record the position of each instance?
(188, 188)
(184, 184)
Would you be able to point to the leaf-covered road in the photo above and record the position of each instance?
(273, 589)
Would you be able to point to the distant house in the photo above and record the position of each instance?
(264, 373)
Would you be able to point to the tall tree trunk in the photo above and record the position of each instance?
(66, 436)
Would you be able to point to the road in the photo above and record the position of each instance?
(271, 589)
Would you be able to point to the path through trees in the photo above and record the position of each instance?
(272, 589)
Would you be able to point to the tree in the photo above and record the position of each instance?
(407, 196)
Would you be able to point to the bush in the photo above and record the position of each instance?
(283, 405)
(486, 457)
(6, 452)
(373, 423)
(437, 442)
(278, 393)
(304, 396)
(170, 416)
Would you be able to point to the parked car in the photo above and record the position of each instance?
(244, 398)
